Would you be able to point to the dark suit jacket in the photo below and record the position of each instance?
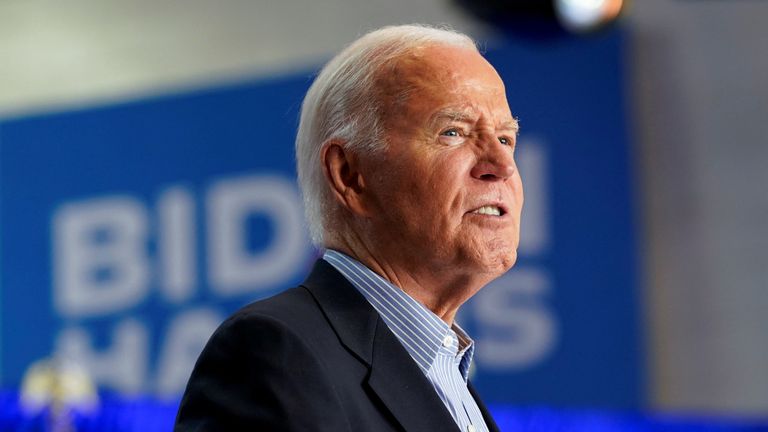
(313, 358)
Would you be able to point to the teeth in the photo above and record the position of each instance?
(488, 210)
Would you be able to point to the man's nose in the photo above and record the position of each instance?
(495, 160)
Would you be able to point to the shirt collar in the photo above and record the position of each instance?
(419, 330)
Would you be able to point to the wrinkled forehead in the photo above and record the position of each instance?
(436, 69)
(417, 84)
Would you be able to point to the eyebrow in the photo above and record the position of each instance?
(452, 115)
(511, 125)
(461, 116)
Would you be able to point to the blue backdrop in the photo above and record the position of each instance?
(129, 231)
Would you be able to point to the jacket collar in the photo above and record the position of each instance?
(394, 376)
(489, 421)
(418, 329)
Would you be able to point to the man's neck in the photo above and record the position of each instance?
(440, 290)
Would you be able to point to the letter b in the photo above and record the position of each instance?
(99, 258)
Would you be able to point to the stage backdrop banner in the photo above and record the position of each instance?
(128, 232)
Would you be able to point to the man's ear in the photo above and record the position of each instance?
(342, 171)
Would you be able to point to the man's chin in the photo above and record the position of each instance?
(506, 262)
(496, 263)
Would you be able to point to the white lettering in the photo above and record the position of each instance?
(535, 233)
(232, 268)
(184, 341)
(176, 244)
(122, 366)
(516, 330)
(99, 256)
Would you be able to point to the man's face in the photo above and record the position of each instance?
(447, 193)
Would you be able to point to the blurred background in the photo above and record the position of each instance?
(147, 191)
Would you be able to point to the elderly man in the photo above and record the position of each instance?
(405, 160)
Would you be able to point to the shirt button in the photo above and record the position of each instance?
(447, 341)
(471, 428)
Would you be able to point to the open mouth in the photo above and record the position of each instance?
(490, 210)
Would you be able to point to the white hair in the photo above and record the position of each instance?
(342, 104)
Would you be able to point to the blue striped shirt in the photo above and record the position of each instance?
(442, 352)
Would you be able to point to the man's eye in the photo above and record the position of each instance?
(452, 133)
(505, 141)
(452, 136)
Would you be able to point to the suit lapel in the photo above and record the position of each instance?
(402, 386)
(492, 426)
(394, 375)
(348, 312)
